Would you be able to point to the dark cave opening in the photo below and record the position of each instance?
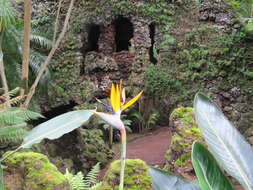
(93, 37)
(55, 112)
(124, 32)
(152, 50)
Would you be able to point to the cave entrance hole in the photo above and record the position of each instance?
(93, 37)
(152, 49)
(55, 112)
(124, 32)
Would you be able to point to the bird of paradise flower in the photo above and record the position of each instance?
(117, 100)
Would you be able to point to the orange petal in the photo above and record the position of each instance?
(117, 99)
(132, 101)
(112, 97)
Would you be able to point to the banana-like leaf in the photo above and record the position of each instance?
(1, 178)
(56, 127)
(207, 170)
(227, 145)
(162, 180)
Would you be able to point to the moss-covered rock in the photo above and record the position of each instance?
(78, 150)
(32, 171)
(136, 176)
(185, 132)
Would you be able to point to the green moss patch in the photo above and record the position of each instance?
(35, 171)
(185, 132)
(136, 176)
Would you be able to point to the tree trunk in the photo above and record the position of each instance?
(26, 46)
(2, 73)
(50, 55)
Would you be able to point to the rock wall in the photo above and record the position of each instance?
(201, 47)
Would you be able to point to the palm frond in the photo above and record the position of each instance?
(36, 59)
(7, 13)
(152, 119)
(138, 116)
(41, 41)
(12, 133)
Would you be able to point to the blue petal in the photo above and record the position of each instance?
(107, 107)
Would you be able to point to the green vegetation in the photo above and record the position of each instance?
(229, 151)
(185, 132)
(145, 122)
(37, 171)
(160, 81)
(136, 176)
(79, 182)
(13, 120)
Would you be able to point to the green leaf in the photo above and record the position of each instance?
(15, 115)
(56, 127)
(227, 145)
(13, 133)
(1, 178)
(162, 180)
(207, 170)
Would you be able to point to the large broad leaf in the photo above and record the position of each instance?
(56, 127)
(227, 145)
(207, 170)
(162, 180)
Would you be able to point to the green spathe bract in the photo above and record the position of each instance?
(226, 144)
(162, 180)
(207, 170)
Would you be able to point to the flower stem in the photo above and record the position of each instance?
(123, 158)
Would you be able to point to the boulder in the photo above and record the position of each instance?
(32, 171)
(136, 176)
(184, 133)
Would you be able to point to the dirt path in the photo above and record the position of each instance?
(150, 148)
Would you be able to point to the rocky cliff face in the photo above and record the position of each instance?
(200, 47)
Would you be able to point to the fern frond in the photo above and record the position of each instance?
(78, 182)
(75, 181)
(13, 133)
(14, 115)
(12, 93)
(91, 177)
(17, 100)
(96, 186)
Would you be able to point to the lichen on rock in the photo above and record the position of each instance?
(136, 176)
(32, 171)
(185, 132)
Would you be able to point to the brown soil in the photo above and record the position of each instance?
(151, 148)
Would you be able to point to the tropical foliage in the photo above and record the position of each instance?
(13, 120)
(79, 182)
(229, 151)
